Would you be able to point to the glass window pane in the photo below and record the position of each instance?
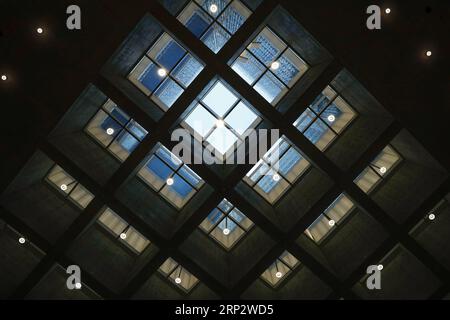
(208, 6)
(112, 221)
(220, 99)
(201, 120)
(190, 176)
(248, 67)
(159, 168)
(291, 68)
(180, 186)
(234, 16)
(241, 118)
(187, 70)
(323, 99)
(222, 139)
(195, 19)
(167, 93)
(225, 205)
(168, 157)
(270, 88)
(138, 131)
(266, 46)
(145, 76)
(166, 52)
(215, 38)
(304, 120)
(81, 196)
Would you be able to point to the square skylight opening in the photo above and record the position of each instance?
(325, 119)
(68, 187)
(226, 224)
(380, 168)
(167, 175)
(122, 231)
(221, 119)
(330, 218)
(115, 131)
(278, 169)
(214, 21)
(280, 269)
(165, 71)
(270, 66)
(178, 276)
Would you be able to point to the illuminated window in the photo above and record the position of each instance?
(325, 118)
(214, 21)
(165, 71)
(270, 66)
(221, 119)
(167, 175)
(378, 169)
(178, 275)
(280, 269)
(122, 231)
(115, 130)
(278, 169)
(331, 217)
(226, 224)
(69, 187)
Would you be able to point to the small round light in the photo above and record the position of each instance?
(177, 280)
(278, 274)
(213, 8)
(40, 30)
(78, 285)
(21, 240)
(162, 72)
(428, 53)
(226, 231)
(169, 181)
(431, 216)
(63, 187)
(331, 118)
(383, 169)
(380, 267)
(220, 123)
(110, 131)
(274, 65)
(276, 177)
(331, 223)
(4, 77)
(123, 236)
(388, 10)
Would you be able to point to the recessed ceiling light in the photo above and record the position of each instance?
(226, 231)
(380, 267)
(110, 131)
(331, 118)
(78, 285)
(431, 216)
(21, 240)
(220, 123)
(40, 30)
(63, 187)
(177, 280)
(169, 181)
(278, 274)
(276, 177)
(274, 65)
(213, 8)
(383, 169)
(331, 223)
(4, 77)
(428, 53)
(388, 10)
(162, 72)
(123, 236)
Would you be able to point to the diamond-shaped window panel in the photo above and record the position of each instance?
(330, 218)
(280, 269)
(115, 131)
(214, 21)
(170, 177)
(270, 66)
(122, 231)
(226, 224)
(278, 169)
(325, 118)
(378, 169)
(69, 187)
(178, 275)
(165, 71)
(221, 119)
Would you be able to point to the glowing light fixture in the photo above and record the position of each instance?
(331, 118)
(63, 187)
(162, 72)
(4, 77)
(276, 177)
(169, 181)
(431, 216)
(380, 267)
(226, 231)
(123, 236)
(78, 285)
(383, 169)
(278, 274)
(110, 131)
(21, 240)
(388, 10)
(331, 223)
(429, 53)
(40, 30)
(275, 65)
(220, 123)
(213, 8)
